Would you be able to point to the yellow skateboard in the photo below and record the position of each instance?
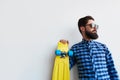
(61, 69)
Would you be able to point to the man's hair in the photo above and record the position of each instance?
(83, 21)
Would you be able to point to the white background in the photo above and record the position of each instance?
(30, 30)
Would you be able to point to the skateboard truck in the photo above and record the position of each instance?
(63, 54)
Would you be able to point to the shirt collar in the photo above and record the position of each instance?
(86, 42)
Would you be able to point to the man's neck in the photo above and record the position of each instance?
(87, 39)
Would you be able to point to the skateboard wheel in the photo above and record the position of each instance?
(70, 53)
(58, 52)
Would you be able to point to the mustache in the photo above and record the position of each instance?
(94, 31)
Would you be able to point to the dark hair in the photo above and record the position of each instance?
(83, 21)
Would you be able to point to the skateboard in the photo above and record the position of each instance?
(61, 69)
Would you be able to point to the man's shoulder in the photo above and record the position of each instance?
(78, 44)
(99, 43)
(81, 44)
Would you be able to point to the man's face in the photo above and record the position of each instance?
(91, 30)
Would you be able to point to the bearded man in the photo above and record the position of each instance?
(93, 59)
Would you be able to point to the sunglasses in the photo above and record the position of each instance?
(92, 25)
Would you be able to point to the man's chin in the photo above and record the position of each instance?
(95, 37)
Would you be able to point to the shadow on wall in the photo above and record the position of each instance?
(74, 73)
(74, 36)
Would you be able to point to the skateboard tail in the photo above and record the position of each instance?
(61, 69)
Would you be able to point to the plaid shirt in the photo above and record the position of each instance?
(93, 60)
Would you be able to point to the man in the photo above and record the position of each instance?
(93, 59)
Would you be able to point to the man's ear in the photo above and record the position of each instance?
(82, 28)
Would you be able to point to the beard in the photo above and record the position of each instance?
(91, 35)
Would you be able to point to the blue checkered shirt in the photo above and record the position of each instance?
(94, 61)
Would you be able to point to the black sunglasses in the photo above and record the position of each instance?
(92, 25)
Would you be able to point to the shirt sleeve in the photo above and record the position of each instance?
(72, 60)
(110, 65)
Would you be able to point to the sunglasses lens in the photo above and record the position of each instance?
(97, 26)
(94, 25)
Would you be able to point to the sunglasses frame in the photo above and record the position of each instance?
(93, 25)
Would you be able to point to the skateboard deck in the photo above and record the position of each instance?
(61, 65)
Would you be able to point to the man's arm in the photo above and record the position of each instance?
(110, 65)
(72, 60)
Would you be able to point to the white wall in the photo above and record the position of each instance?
(30, 30)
